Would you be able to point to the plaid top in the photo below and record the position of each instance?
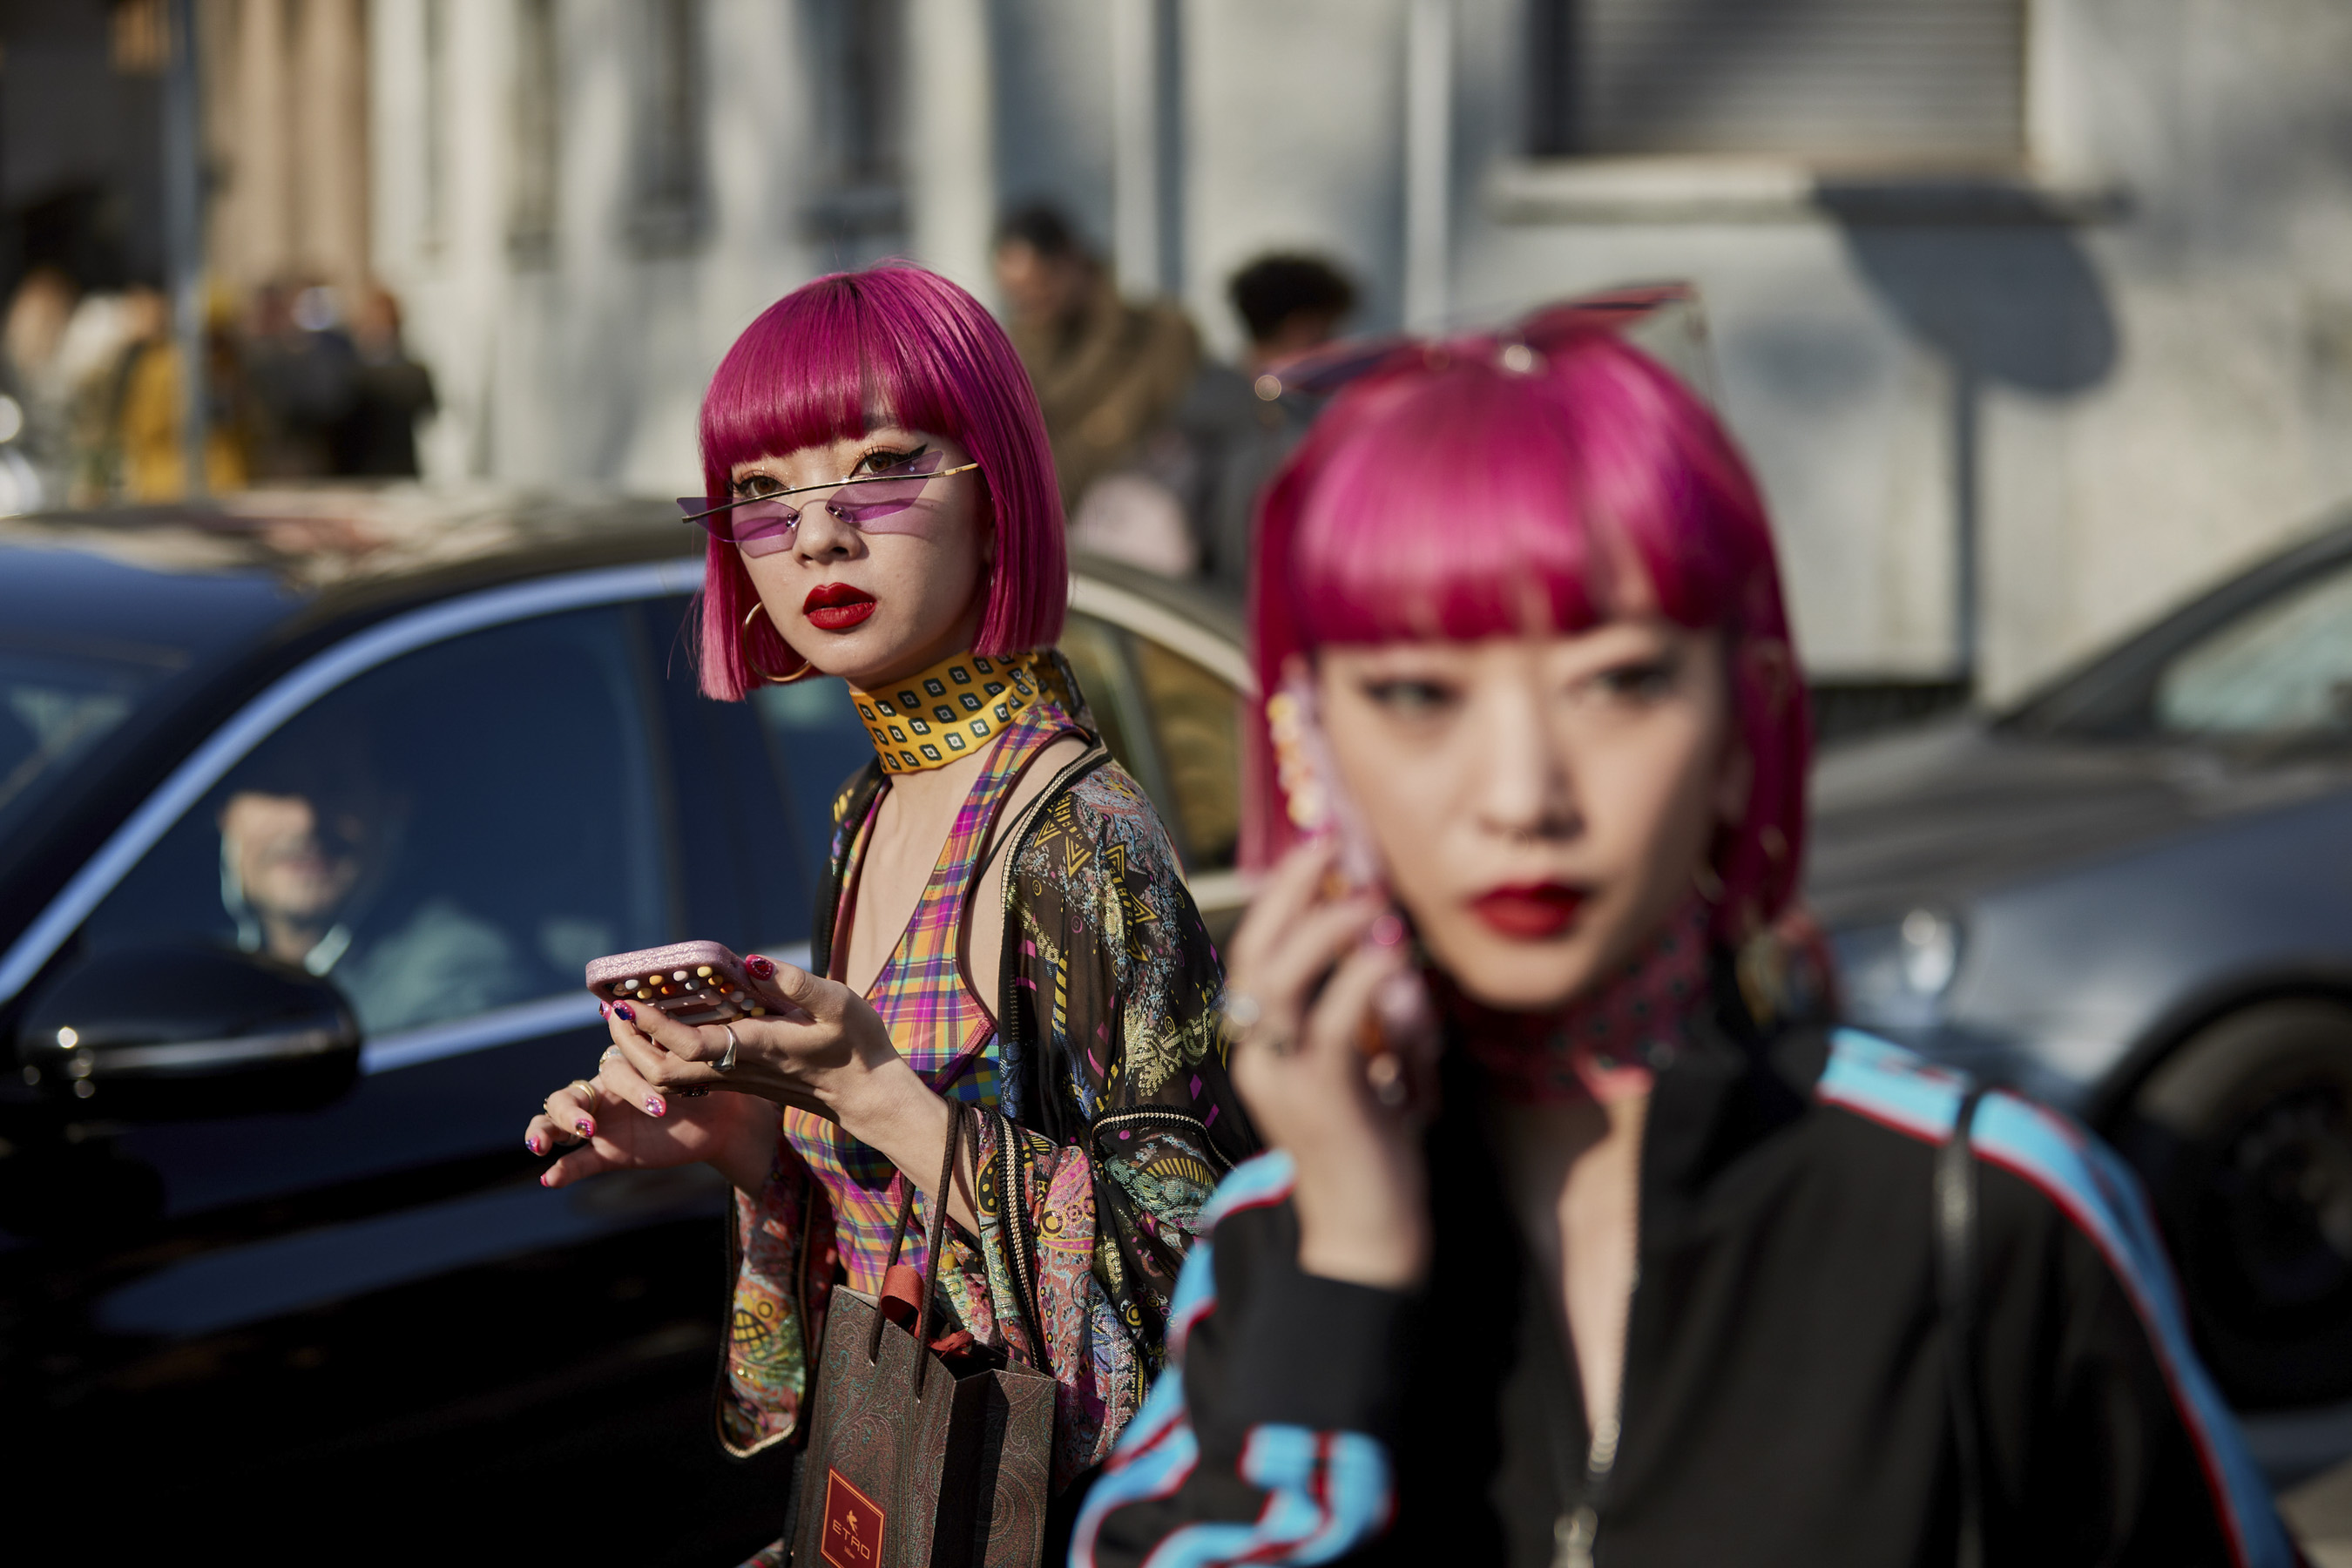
(946, 1033)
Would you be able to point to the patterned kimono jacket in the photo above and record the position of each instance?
(1109, 1123)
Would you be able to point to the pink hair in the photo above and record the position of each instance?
(1488, 487)
(823, 364)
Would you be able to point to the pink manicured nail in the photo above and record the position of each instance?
(627, 1013)
(531, 1144)
(765, 968)
(656, 1108)
(1387, 931)
(548, 1180)
(585, 1127)
(604, 1009)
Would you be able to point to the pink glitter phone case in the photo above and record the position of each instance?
(692, 982)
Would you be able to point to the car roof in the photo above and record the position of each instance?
(315, 549)
(252, 558)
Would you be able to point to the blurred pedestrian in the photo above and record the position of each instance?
(1576, 1246)
(1240, 422)
(1107, 371)
(303, 369)
(150, 409)
(33, 376)
(377, 439)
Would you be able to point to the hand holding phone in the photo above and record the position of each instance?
(1402, 1020)
(695, 982)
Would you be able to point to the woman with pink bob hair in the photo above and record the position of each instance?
(1576, 1242)
(1004, 923)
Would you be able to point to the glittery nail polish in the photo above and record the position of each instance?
(604, 1009)
(764, 968)
(531, 1144)
(585, 1128)
(628, 1014)
(656, 1108)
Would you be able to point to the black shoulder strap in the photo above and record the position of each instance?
(1956, 1298)
(850, 800)
(1013, 1024)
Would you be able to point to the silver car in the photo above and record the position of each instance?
(2131, 895)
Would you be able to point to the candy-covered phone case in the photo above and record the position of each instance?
(692, 982)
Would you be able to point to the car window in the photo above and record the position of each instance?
(59, 697)
(816, 742)
(1196, 719)
(2282, 670)
(1097, 655)
(1171, 724)
(460, 829)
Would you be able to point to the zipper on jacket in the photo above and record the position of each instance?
(1573, 1532)
(1577, 1527)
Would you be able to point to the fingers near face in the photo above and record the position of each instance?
(1310, 945)
(1278, 904)
(1345, 1007)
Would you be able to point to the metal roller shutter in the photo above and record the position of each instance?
(1937, 80)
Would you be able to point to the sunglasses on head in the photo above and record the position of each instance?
(765, 524)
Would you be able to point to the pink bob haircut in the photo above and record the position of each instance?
(1499, 486)
(828, 362)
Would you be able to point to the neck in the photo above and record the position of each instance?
(936, 718)
(292, 941)
(1604, 1044)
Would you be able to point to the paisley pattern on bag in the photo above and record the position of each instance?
(1113, 1120)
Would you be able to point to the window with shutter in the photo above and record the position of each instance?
(1830, 80)
(669, 129)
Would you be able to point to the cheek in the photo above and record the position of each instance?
(1406, 796)
(1649, 802)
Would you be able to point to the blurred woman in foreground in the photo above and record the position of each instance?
(1618, 1262)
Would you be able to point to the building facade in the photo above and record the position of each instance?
(2034, 315)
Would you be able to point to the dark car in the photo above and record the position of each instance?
(311, 809)
(2132, 896)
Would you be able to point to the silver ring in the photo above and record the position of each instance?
(1242, 1013)
(727, 1062)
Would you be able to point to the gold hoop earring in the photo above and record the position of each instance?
(743, 642)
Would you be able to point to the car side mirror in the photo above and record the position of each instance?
(172, 1032)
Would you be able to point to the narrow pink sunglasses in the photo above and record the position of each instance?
(765, 524)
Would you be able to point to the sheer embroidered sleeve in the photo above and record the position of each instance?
(1116, 1119)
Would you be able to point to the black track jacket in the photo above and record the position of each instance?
(1786, 1389)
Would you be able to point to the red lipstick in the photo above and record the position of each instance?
(1531, 912)
(837, 606)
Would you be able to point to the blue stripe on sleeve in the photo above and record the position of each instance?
(2096, 1190)
(1156, 1454)
(1327, 1493)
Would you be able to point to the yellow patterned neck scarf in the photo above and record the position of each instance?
(951, 711)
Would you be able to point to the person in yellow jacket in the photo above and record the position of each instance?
(148, 408)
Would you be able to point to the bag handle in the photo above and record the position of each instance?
(1955, 1295)
(931, 1260)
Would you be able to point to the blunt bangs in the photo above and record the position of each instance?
(825, 363)
(1442, 520)
(1476, 503)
